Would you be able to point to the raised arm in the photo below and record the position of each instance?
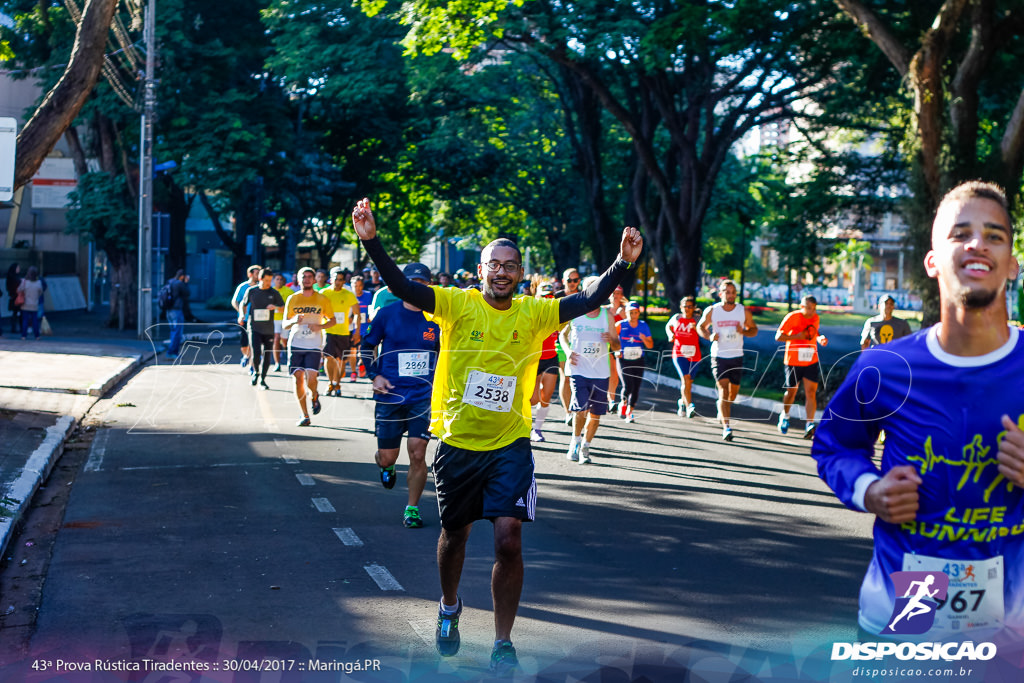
(405, 289)
(594, 296)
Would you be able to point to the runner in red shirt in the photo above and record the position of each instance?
(547, 373)
(682, 330)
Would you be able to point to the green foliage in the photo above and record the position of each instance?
(100, 209)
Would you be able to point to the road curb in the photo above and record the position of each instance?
(34, 473)
(39, 464)
(100, 388)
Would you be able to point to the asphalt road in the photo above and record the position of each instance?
(206, 528)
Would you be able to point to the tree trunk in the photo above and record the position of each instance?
(178, 207)
(62, 104)
(123, 295)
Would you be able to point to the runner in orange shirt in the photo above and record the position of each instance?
(799, 330)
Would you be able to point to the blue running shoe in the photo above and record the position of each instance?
(503, 658)
(783, 423)
(388, 477)
(447, 635)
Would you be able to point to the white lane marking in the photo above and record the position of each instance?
(305, 479)
(290, 459)
(198, 466)
(281, 443)
(99, 451)
(348, 537)
(323, 505)
(383, 578)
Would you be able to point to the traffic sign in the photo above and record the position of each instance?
(8, 144)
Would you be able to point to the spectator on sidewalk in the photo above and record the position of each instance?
(32, 289)
(176, 312)
(13, 280)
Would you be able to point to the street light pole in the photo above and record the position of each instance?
(145, 278)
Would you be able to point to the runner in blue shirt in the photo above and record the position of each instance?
(948, 494)
(403, 374)
(634, 336)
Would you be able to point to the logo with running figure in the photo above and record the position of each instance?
(476, 335)
(918, 596)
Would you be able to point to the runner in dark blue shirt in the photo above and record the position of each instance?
(403, 374)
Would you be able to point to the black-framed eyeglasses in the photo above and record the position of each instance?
(508, 266)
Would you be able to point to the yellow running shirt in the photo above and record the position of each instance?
(318, 309)
(285, 291)
(342, 300)
(487, 367)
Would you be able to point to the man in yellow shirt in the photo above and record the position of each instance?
(279, 332)
(341, 337)
(307, 314)
(480, 409)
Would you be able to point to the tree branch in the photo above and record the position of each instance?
(879, 34)
(62, 104)
(1012, 144)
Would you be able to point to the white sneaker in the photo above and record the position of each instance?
(629, 417)
(569, 417)
(681, 410)
(574, 451)
(537, 435)
(691, 410)
(585, 454)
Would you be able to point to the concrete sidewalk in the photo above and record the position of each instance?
(47, 387)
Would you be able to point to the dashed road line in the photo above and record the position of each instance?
(348, 537)
(289, 459)
(99, 451)
(323, 505)
(305, 479)
(383, 578)
(185, 466)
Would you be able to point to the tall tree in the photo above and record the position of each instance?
(960, 63)
(685, 79)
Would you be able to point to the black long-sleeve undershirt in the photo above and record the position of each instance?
(421, 296)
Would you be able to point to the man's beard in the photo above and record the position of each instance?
(975, 299)
(488, 289)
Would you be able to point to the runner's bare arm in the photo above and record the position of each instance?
(749, 326)
(614, 343)
(584, 301)
(418, 295)
(704, 326)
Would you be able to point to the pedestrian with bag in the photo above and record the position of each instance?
(29, 299)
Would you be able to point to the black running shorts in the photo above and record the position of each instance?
(795, 374)
(727, 368)
(392, 420)
(474, 485)
(337, 345)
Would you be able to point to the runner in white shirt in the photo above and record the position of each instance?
(725, 325)
(587, 341)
